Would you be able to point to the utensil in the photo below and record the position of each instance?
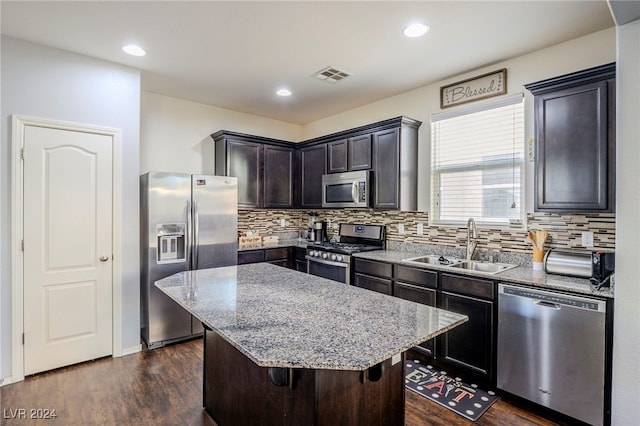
(449, 388)
(537, 238)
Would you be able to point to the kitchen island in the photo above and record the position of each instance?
(287, 348)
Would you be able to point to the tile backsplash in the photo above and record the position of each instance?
(564, 230)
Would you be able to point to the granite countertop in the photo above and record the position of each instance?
(283, 318)
(521, 275)
(281, 243)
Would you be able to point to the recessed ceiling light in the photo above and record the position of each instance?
(134, 50)
(283, 92)
(416, 29)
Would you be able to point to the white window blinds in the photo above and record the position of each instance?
(477, 163)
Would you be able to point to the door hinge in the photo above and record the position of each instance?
(23, 339)
(22, 153)
(22, 245)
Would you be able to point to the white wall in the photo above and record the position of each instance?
(585, 52)
(48, 83)
(175, 134)
(626, 344)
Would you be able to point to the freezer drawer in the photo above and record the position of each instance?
(551, 350)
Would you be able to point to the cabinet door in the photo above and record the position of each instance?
(337, 156)
(372, 267)
(278, 177)
(381, 285)
(300, 263)
(417, 294)
(470, 345)
(385, 165)
(250, 256)
(360, 153)
(314, 165)
(244, 162)
(572, 149)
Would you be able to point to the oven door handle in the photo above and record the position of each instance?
(326, 262)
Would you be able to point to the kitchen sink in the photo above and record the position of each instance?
(431, 259)
(469, 265)
(491, 268)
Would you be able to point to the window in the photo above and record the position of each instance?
(477, 163)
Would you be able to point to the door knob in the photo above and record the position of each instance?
(104, 258)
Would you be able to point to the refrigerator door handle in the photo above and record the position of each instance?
(189, 234)
(196, 232)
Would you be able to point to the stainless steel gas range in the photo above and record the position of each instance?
(333, 260)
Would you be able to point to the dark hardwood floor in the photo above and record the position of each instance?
(164, 387)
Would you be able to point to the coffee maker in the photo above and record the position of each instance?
(320, 234)
(311, 223)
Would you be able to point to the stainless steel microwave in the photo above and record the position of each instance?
(349, 189)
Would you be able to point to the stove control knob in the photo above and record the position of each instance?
(339, 258)
(325, 255)
(334, 257)
(315, 253)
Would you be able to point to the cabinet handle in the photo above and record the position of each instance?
(104, 258)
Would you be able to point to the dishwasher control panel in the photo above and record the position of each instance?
(553, 298)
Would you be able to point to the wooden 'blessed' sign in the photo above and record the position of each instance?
(472, 89)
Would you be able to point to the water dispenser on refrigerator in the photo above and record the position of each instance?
(171, 242)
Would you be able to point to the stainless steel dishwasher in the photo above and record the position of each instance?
(551, 350)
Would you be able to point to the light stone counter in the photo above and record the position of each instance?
(520, 275)
(278, 317)
(278, 244)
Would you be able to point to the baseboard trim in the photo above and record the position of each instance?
(129, 351)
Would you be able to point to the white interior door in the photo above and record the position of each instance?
(67, 219)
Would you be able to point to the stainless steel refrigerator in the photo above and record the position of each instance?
(186, 222)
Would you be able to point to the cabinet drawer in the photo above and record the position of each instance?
(469, 286)
(414, 293)
(250, 256)
(369, 267)
(381, 285)
(276, 253)
(415, 276)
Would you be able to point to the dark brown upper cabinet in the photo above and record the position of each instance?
(314, 165)
(278, 174)
(264, 168)
(575, 142)
(337, 156)
(395, 166)
(347, 155)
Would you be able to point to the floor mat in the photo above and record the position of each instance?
(465, 399)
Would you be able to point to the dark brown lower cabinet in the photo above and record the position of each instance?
(239, 392)
(280, 256)
(418, 285)
(250, 256)
(376, 276)
(299, 261)
(381, 285)
(471, 346)
(419, 295)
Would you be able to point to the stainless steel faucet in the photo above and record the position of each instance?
(472, 235)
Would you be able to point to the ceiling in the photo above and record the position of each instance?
(236, 54)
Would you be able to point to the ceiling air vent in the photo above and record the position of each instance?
(331, 75)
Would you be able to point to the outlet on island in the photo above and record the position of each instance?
(401, 228)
